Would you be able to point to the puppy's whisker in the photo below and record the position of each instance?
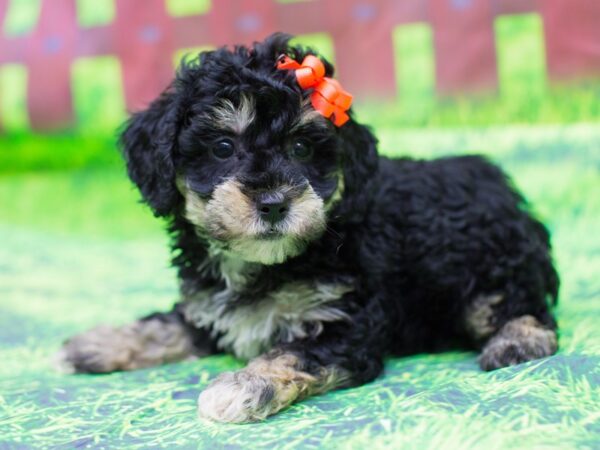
(331, 231)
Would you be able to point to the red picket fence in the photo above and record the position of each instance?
(143, 36)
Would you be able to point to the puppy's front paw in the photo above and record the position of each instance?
(100, 350)
(237, 397)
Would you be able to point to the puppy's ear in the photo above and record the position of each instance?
(147, 144)
(359, 155)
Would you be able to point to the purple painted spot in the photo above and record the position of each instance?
(190, 394)
(363, 12)
(52, 44)
(84, 442)
(194, 379)
(461, 4)
(249, 23)
(149, 34)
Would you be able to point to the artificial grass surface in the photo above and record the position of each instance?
(77, 250)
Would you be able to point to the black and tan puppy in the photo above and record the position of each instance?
(301, 250)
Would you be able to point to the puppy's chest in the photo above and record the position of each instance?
(294, 310)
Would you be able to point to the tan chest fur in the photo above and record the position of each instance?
(293, 311)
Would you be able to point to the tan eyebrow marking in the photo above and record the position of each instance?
(227, 116)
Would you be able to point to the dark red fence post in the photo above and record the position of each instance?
(362, 36)
(302, 17)
(4, 41)
(464, 45)
(144, 44)
(144, 37)
(241, 21)
(192, 31)
(3, 44)
(48, 56)
(572, 37)
(514, 6)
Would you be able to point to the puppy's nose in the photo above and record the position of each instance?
(272, 208)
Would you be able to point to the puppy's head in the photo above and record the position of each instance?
(235, 146)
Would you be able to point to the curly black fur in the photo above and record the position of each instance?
(422, 244)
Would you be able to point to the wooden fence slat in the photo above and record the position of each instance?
(302, 17)
(572, 38)
(408, 11)
(241, 21)
(96, 41)
(144, 37)
(464, 46)
(514, 6)
(362, 35)
(12, 50)
(144, 44)
(48, 56)
(3, 9)
(3, 44)
(192, 31)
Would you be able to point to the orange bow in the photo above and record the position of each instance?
(328, 97)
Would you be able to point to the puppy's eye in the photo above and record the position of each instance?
(223, 149)
(301, 150)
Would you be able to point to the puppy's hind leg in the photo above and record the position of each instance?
(154, 340)
(519, 340)
(506, 342)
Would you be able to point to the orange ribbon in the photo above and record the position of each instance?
(328, 97)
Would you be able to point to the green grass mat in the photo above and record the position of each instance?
(76, 249)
